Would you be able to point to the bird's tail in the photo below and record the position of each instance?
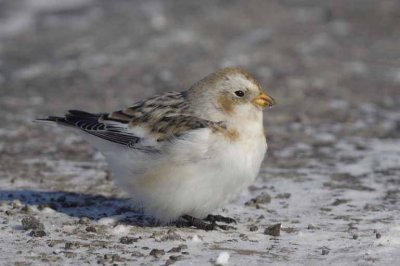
(70, 118)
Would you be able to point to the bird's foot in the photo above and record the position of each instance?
(198, 223)
(204, 225)
(220, 218)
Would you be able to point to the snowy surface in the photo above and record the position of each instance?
(331, 212)
(332, 174)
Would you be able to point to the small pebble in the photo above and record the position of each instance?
(325, 251)
(137, 254)
(37, 233)
(84, 220)
(27, 209)
(31, 223)
(175, 250)
(128, 240)
(273, 230)
(91, 229)
(263, 198)
(173, 258)
(176, 257)
(16, 204)
(352, 226)
(157, 253)
(311, 227)
(283, 195)
(253, 228)
(115, 257)
(72, 245)
(338, 202)
(171, 235)
(178, 248)
(370, 207)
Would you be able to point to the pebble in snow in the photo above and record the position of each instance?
(31, 223)
(84, 220)
(172, 259)
(157, 253)
(273, 230)
(37, 233)
(128, 240)
(263, 198)
(325, 251)
(91, 229)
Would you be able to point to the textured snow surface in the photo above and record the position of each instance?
(332, 174)
(332, 212)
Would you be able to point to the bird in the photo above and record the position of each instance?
(183, 154)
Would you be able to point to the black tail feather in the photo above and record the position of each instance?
(82, 114)
(94, 125)
(71, 118)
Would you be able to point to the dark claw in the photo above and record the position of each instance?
(220, 218)
(201, 224)
(198, 223)
(226, 227)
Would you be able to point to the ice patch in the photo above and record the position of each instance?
(110, 220)
(119, 230)
(196, 239)
(223, 258)
(107, 221)
(48, 210)
(382, 154)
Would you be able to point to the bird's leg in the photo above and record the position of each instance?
(198, 223)
(219, 218)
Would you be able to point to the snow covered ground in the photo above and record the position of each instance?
(340, 211)
(332, 174)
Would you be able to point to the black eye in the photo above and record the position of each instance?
(239, 93)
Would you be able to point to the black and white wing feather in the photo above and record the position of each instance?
(96, 125)
(162, 118)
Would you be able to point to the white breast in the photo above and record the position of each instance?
(202, 172)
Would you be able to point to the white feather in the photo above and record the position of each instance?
(198, 172)
(193, 175)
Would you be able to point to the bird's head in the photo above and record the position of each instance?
(230, 92)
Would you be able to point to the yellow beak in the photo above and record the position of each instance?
(263, 100)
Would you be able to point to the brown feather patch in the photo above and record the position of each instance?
(229, 133)
(226, 104)
(119, 115)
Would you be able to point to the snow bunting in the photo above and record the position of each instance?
(183, 154)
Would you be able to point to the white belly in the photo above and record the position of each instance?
(171, 187)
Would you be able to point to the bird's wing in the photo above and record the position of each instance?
(145, 126)
(95, 125)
